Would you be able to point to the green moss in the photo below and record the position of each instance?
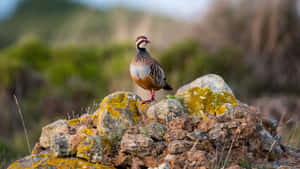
(204, 102)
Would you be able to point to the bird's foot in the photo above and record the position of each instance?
(148, 101)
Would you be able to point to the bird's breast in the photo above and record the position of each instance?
(139, 71)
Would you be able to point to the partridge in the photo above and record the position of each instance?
(146, 71)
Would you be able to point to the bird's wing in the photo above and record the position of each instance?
(157, 73)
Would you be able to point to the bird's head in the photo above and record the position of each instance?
(142, 42)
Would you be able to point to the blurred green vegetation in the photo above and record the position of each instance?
(59, 57)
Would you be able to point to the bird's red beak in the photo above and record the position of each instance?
(147, 41)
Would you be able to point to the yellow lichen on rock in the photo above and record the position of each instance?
(204, 102)
(134, 110)
(73, 122)
(82, 149)
(119, 101)
(87, 131)
(141, 106)
(44, 161)
(114, 113)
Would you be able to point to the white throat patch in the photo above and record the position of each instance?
(142, 44)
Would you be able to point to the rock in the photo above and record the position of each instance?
(270, 123)
(139, 145)
(48, 161)
(52, 130)
(179, 146)
(166, 110)
(60, 146)
(37, 148)
(185, 123)
(206, 96)
(175, 135)
(216, 134)
(165, 165)
(154, 129)
(196, 155)
(170, 157)
(197, 135)
(91, 149)
(268, 141)
(117, 112)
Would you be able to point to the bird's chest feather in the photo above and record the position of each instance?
(139, 71)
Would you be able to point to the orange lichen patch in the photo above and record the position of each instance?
(115, 114)
(220, 109)
(74, 122)
(119, 101)
(204, 102)
(141, 106)
(133, 109)
(82, 149)
(49, 161)
(87, 131)
(13, 165)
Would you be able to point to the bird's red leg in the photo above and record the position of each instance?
(152, 94)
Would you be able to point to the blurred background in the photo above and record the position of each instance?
(61, 57)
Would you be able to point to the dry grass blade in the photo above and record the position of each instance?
(229, 152)
(23, 123)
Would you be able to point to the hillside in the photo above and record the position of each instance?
(203, 126)
(66, 22)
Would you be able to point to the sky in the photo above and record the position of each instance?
(7, 7)
(174, 8)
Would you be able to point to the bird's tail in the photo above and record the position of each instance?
(167, 87)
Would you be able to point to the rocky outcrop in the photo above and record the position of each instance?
(208, 128)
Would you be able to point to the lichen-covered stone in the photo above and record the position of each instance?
(206, 96)
(166, 110)
(154, 129)
(202, 103)
(60, 146)
(52, 130)
(212, 81)
(179, 146)
(91, 149)
(117, 112)
(48, 161)
(139, 144)
(228, 112)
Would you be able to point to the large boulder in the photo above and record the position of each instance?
(212, 81)
(117, 112)
(207, 96)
